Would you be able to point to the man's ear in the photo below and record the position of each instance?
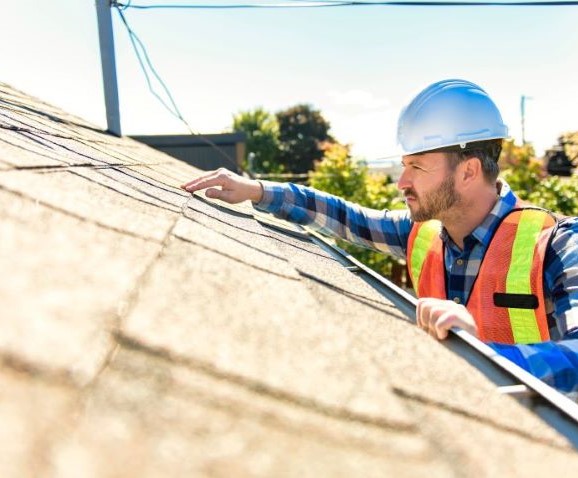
(470, 170)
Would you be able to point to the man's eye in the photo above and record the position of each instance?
(413, 166)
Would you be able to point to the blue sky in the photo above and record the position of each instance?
(358, 65)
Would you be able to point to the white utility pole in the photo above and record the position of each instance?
(106, 40)
(523, 114)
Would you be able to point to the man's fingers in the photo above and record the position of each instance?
(419, 314)
(437, 317)
(215, 193)
(227, 186)
(215, 178)
(203, 183)
(444, 323)
(424, 312)
(433, 314)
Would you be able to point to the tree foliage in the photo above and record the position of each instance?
(520, 168)
(570, 142)
(303, 135)
(527, 177)
(557, 194)
(262, 132)
(341, 175)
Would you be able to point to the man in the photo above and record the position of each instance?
(479, 259)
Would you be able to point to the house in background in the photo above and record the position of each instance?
(557, 161)
(206, 152)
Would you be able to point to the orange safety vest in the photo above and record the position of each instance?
(507, 298)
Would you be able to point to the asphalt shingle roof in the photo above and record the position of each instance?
(146, 333)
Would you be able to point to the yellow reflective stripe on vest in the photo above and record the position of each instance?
(421, 246)
(524, 324)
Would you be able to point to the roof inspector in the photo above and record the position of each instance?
(479, 258)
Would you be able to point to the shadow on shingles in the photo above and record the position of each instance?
(238, 259)
(30, 136)
(262, 388)
(373, 303)
(265, 232)
(45, 142)
(51, 117)
(427, 401)
(381, 306)
(248, 244)
(23, 148)
(169, 206)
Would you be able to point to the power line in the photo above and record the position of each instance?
(287, 4)
(139, 47)
(337, 3)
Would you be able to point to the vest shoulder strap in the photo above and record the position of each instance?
(421, 243)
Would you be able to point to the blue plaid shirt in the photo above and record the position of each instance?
(388, 231)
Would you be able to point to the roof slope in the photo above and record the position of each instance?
(149, 333)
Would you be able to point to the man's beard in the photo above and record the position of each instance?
(432, 204)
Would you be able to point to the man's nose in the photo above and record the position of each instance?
(404, 181)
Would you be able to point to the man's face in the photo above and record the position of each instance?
(428, 186)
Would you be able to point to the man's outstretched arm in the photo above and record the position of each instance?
(233, 188)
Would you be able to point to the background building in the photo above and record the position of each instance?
(200, 150)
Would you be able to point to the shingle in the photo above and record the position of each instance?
(19, 150)
(246, 322)
(244, 247)
(63, 280)
(87, 194)
(241, 234)
(169, 420)
(33, 413)
(316, 264)
(488, 449)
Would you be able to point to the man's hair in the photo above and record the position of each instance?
(488, 152)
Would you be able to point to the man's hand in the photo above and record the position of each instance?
(437, 316)
(234, 188)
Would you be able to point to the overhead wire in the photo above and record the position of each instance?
(337, 3)
(139, 48)
(236, 6)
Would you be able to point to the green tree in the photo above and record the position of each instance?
(341, 175)
(262, 132)
(303, 134)
(557, 194)
(570, 142)
(526, 176)
(520, 168)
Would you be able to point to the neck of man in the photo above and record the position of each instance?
(469, 212)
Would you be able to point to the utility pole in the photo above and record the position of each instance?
(523, 114)
(107, 59)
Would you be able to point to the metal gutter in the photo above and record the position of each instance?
(556, 409)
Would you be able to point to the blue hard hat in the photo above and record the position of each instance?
(448, 113)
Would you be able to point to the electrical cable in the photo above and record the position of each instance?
(288, 4)
(172, 108)
(337, 3)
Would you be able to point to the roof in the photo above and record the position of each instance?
(146, 332)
